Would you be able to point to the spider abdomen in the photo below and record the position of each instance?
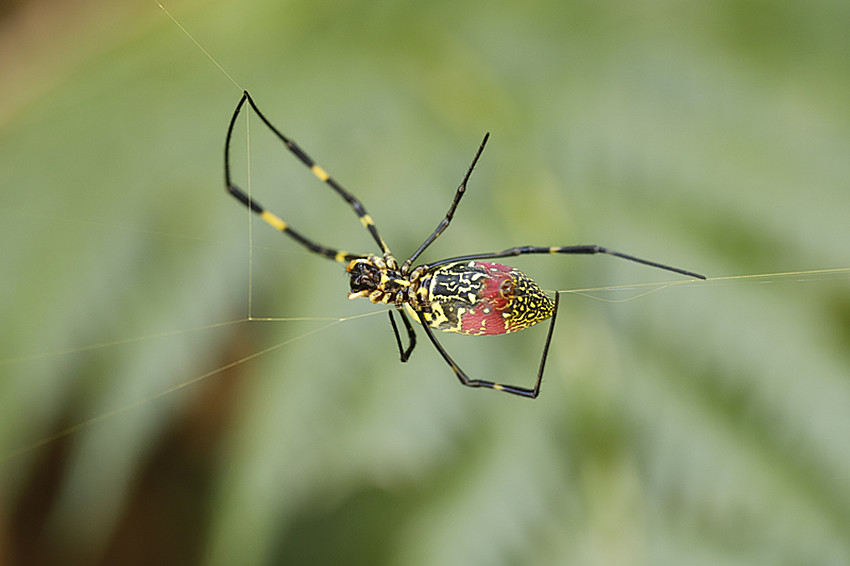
(483, 298)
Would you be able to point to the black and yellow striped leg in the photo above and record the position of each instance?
(411, 336)
(278, 224)
(320, 173)
(512, 389)
(583, 249)
(444, 223)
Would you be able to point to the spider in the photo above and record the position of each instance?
(464, 294)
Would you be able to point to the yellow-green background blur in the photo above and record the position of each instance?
(703, 424)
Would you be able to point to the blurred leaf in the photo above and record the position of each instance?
(699, 424)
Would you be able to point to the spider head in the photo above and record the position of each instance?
(365, 276)
(370, 277)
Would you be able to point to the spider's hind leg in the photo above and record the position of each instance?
(530, 393)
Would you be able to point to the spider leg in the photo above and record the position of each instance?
(583, 249)
(320, 173)
(411, 335)
(444, 223)
(278, 224)
(512, 389)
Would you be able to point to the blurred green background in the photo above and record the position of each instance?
(702, 424)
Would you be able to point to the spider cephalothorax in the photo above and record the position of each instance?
(459, 294)
(375, 279)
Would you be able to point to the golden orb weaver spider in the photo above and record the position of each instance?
(459, 294)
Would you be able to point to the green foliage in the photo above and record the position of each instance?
(701, 424)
